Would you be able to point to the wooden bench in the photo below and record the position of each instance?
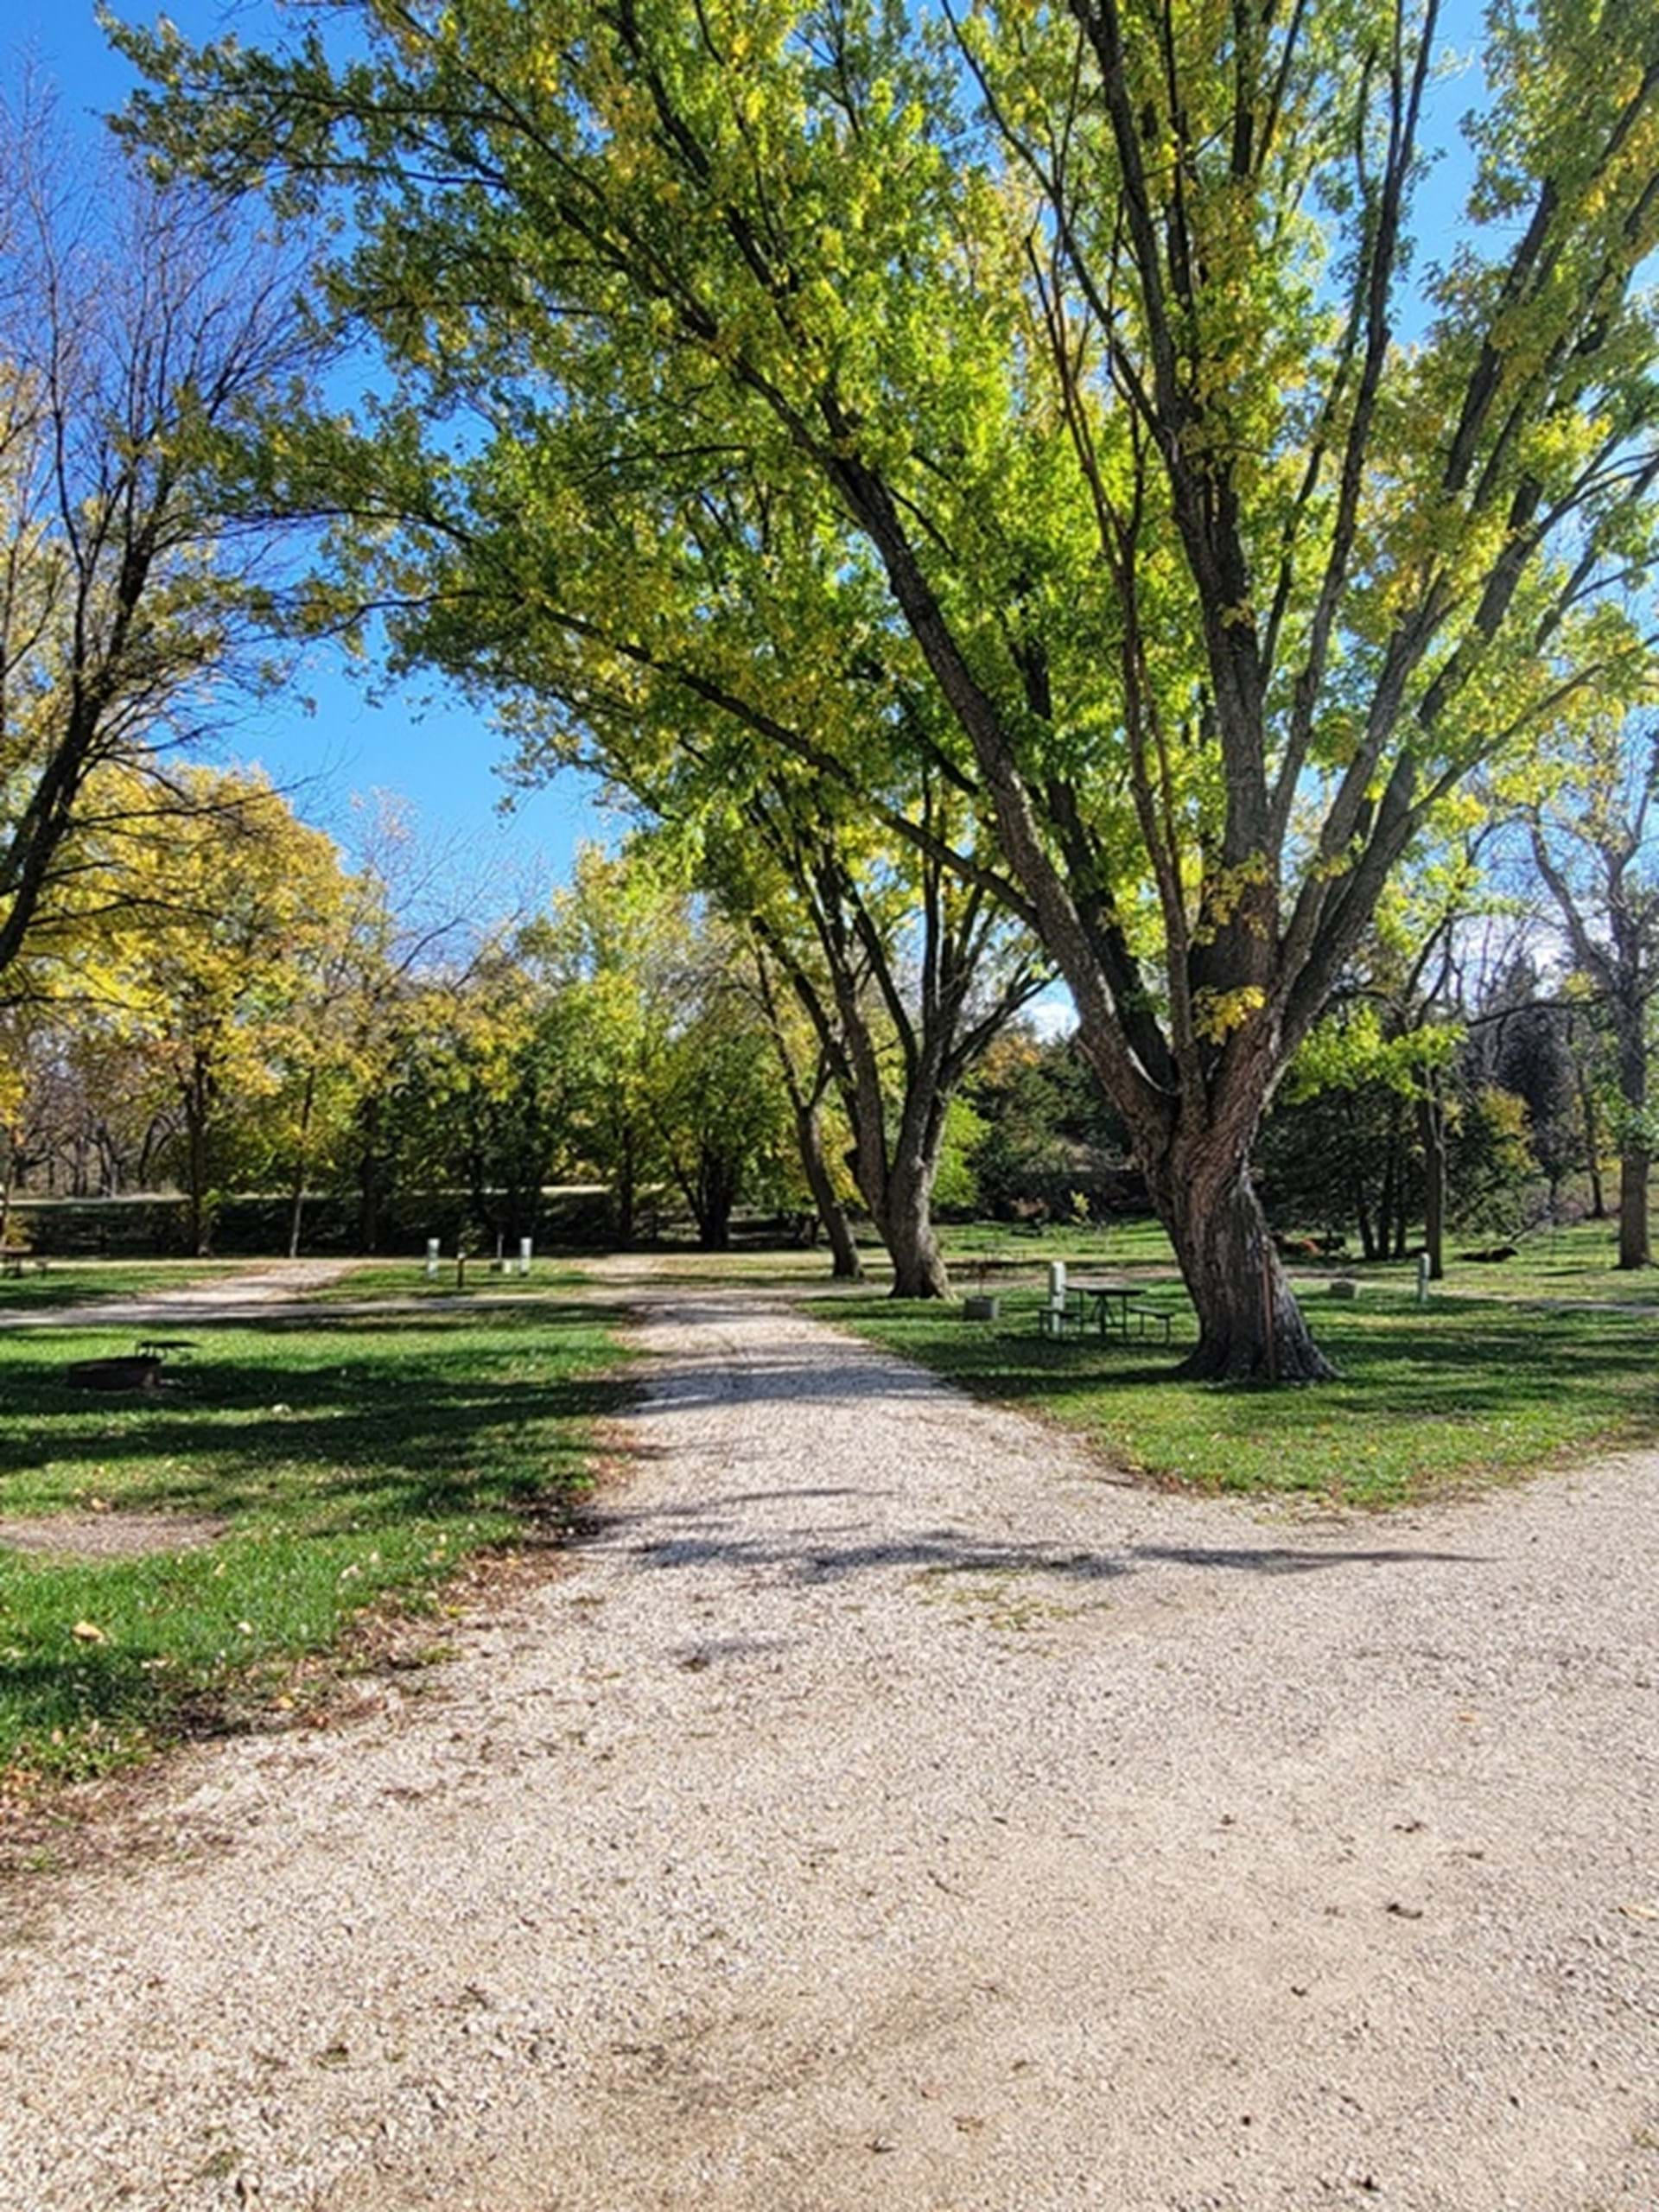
(14, 1260)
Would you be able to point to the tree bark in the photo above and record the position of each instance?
(906, 1226)
(712, 1193)
(1250, 1328)
(1431, 1114)
(1635, 1161)
(846, 1266)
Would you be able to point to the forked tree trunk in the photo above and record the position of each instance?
(846, 1266)
(906, 1227)
(1250, 1328)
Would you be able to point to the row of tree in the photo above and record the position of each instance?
(256, 1015)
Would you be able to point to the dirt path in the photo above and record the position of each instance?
(272, 1286)
(889, 1809)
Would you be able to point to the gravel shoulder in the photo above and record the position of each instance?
(275, 1288)
(889, 1806)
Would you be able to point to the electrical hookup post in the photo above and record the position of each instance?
(524, 1256)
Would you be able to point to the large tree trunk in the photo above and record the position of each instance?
(808, 1136)
(714, 1198)
(1250, 1328)
(906, 1227)
(1634, 1161)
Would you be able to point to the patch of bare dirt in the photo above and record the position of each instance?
(109, 1535)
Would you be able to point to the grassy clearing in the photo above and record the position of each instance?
(999, 1246)
(82, 1282)
(1579, 1262)
(409, 1279)
(1460, 1391)
(354, 1461)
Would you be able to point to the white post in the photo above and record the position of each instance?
(1054, 1319)
(431, 1256)
(1422, 1278)
(524, 1256)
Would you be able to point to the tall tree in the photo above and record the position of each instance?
(1077, 331)
(907, 975)
(1593, 843)
(807, 1068)
(140, 327)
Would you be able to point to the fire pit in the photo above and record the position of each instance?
(137, 1370)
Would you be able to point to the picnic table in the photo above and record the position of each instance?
(15, 1258)
(1108, 1301)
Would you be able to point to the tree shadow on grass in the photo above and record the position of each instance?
(362, 1423)
(1491, 1360)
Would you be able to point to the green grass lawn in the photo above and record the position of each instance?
(80, 1282)
(409, 1279)
(1460, 1391)
(353, 1462)
(1134, 1242)
(1581, 1262)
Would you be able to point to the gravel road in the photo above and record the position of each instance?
(890, 1807)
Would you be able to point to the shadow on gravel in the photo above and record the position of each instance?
(861, 1374)
(815, 1555)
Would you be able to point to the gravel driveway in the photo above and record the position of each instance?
(890, 1808)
